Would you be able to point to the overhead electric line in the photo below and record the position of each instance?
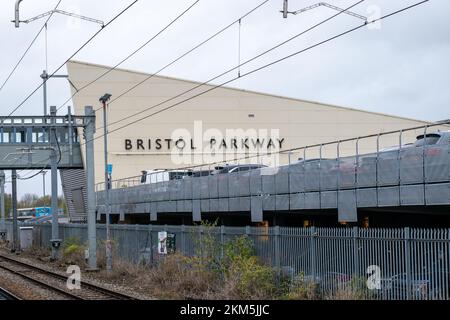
(78, 50)
(237, 67)
(28, 48)
(270, 64)
(188, 52)
(130, 55)
(273, 62)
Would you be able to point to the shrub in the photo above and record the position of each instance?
(73, 251)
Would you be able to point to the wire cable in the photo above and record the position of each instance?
(76, 52)
(273, 63)
(28, 48)
(130, 55)
(229, 70)
(166, 66)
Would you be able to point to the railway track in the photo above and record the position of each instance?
(57, 283)
(6, 295)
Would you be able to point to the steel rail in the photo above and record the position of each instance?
(86, 285)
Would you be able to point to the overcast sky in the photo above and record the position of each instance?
(401, 68)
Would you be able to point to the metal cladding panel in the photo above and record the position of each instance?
(166, 191)
(347, 172)
(388, 196)
(437, 194)
(437, 163)
(328, 199)
(158, 191)
(223, 204)
(296, 179)
(244, 184)
(328, 175)
(282, 181)
(188, 205)
(163, 206)
(222, 183)
(153, 212)
(204, 187)
(213, 187)
(187, 188)
(205, 205)
(140, 208)
(146, 196)
(412, 195)
(256, 211)
(180, 206)
(282, 202)
(233, 184)
(312, 200)
(196, 188)
(268, 184)
(244, 203)
(367, 198)
(297, 201)
(268, 202)
(366, 173)
(196, 211)
(174, 187)
(312, 176)
(255, 182)
(214, 205)
(411, 165)
(347, 211)
(388, 168)
(235, 204)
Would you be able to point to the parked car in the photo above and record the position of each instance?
(154, 176)
(198, 173)
(233, 168)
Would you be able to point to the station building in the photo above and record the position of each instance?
(153, 125)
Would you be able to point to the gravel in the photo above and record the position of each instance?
(96, 278)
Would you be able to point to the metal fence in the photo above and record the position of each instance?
(398, 263)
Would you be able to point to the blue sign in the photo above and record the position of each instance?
(109, 168)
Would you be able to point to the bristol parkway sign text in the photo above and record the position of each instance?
(218, 144)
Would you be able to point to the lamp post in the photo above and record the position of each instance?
(104, 99)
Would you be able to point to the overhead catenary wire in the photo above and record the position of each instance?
(229, 70)
(130, 55)
(71, 56)
(28, 48)
(167, 65)
(351, 30)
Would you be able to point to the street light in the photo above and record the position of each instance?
(104, 99)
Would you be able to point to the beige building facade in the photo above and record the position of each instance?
(158, 122)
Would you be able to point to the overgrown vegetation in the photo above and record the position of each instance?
(73, 252)
(215, 270)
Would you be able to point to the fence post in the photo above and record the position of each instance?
(150, 227)
(183, 240)
(355, 251)
(277, 248)
(407, 242)
(313, 252)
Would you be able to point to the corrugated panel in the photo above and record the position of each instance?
(72, 181)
